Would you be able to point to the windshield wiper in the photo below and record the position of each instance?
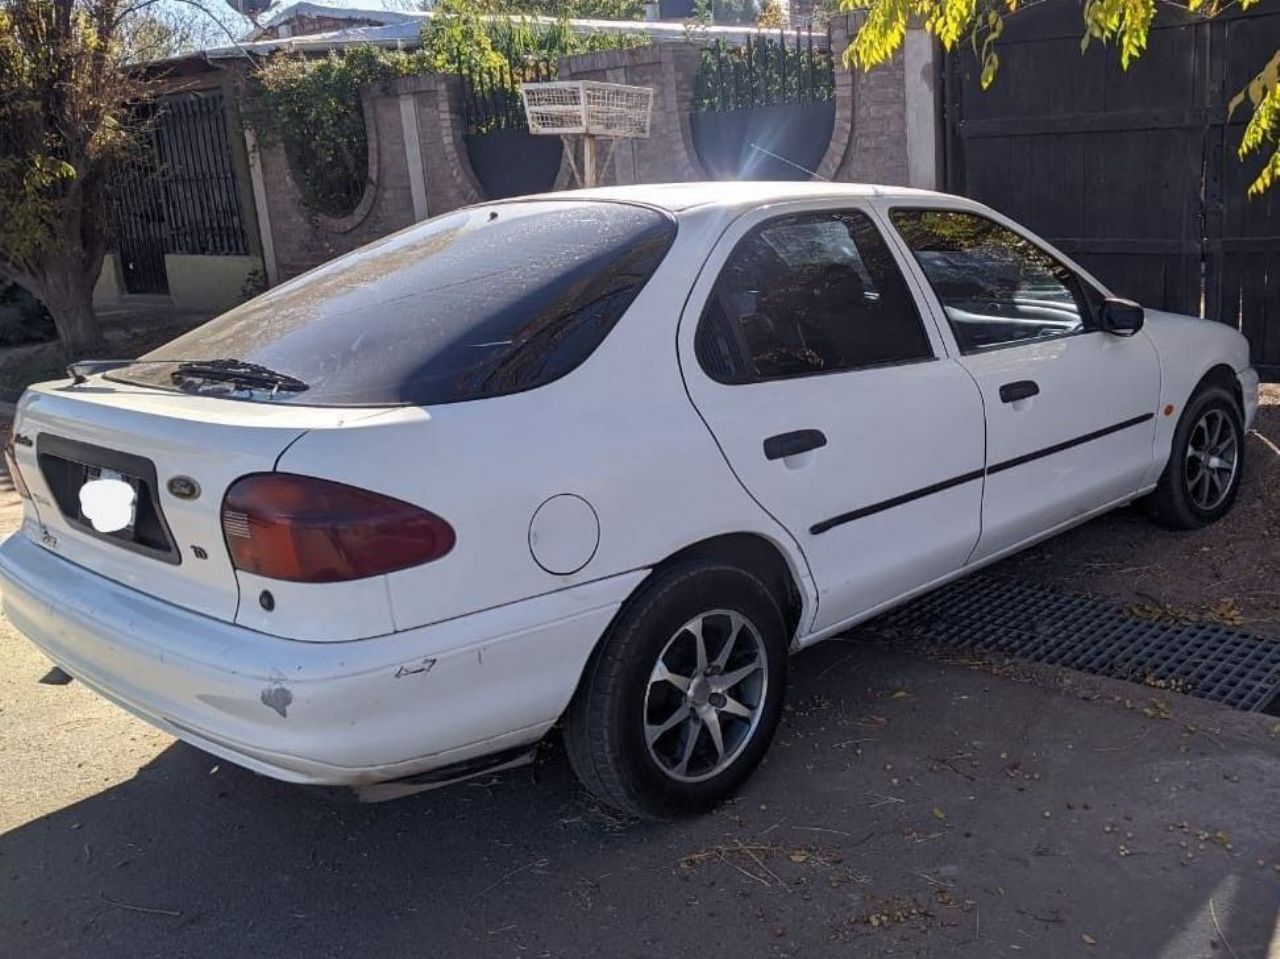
(237, 373)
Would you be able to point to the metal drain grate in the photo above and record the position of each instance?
(1035, 623)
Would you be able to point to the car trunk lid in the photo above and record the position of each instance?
(179, 452)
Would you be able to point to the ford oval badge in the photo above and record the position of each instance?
(184, 487)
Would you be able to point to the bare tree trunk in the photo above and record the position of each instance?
(67, 290)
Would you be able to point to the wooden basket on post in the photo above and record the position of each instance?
(588, 110)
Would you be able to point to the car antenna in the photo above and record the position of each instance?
(813, 173)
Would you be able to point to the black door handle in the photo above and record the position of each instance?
(1021, 390)
(791, 444)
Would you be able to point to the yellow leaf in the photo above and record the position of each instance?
(1089, 940)
(900, 694)
(989, 67)
(939, 814)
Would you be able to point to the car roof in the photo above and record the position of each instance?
(676, 197)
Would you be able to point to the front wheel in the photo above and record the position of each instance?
(681, 699)
(1206, 462)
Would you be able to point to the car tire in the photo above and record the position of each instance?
(1206, 461)
(651, 733)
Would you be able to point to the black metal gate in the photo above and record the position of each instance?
(140, 216)
(507, 159)
(1133, 173)
(764, 110)
(179, 195)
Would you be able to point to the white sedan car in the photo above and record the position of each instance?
(599, 458)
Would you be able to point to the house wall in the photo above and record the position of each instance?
(110, 285)
(204, 283)
(209, 284)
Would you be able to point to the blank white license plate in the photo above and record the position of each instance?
(93, 473)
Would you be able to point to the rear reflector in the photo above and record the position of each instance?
(308, 530)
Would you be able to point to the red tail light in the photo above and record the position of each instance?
(310, 530)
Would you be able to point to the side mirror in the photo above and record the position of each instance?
(1120, 317)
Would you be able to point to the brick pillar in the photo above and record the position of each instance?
(302, 238)
(671, 69)
(886, 118)
(433, 104)
(841, 28)
(924, 111)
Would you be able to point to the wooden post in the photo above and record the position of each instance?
(588, 160)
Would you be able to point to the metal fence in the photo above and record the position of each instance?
(764, 71)
(139, 209)
(179, 194)
(202, 204)
(491, 99)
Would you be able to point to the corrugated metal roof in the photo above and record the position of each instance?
(402, 30)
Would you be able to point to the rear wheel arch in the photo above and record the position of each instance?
(754, 554)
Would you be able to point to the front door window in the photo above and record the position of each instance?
(996, 287)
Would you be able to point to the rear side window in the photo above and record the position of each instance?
(481, 302)
(805, 294)
(996, 286)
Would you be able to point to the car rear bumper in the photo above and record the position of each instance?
(348, 713)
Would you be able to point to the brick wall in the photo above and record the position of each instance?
(869, 143)
(869, 140)
(670, 69)
(301, 238)
(437, 104)
(878, 144)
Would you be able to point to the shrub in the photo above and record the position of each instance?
(312, 107)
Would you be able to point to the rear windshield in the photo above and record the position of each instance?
(481, 302)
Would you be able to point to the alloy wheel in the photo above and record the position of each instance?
(705, 695)
(1213, 456)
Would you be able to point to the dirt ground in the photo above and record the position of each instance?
(1227, 573)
